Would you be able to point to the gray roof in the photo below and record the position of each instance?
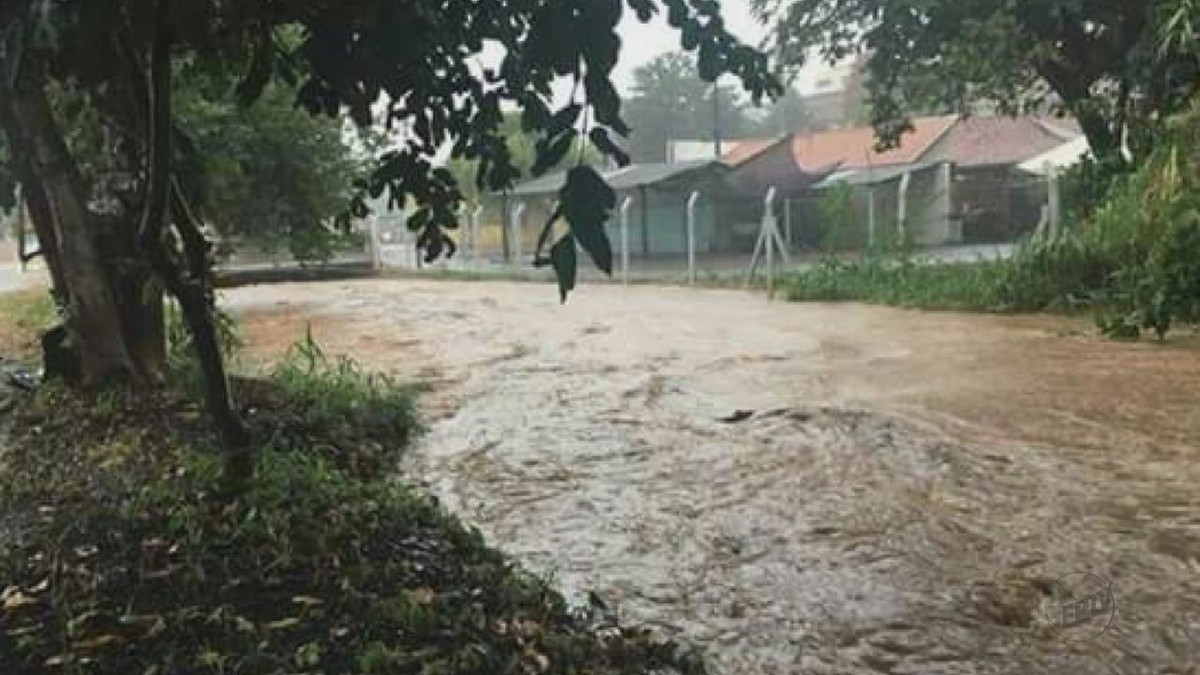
(873, 176)
(632, 176)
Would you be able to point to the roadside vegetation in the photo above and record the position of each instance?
(122, 551)
(1133, 258)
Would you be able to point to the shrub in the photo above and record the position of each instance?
(118, 553)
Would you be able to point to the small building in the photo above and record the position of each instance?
(950, 179)
(657, 195)
(993, 197)
(805, 167)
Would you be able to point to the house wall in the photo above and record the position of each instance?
(773, 167)
(997, 203)
(927, 222)
(665, 229)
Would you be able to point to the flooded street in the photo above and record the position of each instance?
(802, 488)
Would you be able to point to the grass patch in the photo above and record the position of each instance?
(899, 282)
(117, 554)
(23, 316)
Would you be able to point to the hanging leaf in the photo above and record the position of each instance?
(645, 9)
(604, 143)
(552, 151)
(262, 66)
(547, 229)
(587, 202)
(606, 103)
(565, 119)
(562, 257)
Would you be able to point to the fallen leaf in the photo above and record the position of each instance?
(96, 643)
(14, 599)
(284, 624)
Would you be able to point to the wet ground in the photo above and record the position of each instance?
(805, 488)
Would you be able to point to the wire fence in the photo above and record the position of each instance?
(709, 235)
(940, 212)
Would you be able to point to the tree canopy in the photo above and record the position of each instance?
(114, 245)
(670, 101)
(522, 148)
(269, 174)
(1113, 66)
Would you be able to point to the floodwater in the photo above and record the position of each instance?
(804, 488)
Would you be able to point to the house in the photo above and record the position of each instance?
(994, 198)
(655, 194)
(950, 179)
(1058, 158)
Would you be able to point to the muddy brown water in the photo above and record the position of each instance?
(899, 493)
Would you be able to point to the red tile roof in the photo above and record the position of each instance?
(855, 148)
(966, 141)
(744, 149)
(991, 141)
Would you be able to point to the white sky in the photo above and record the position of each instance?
(641, 42)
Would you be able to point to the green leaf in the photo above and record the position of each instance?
(552, 151)
(565, 119)
(262, 65)
(562, 256)
(645, 9)
(587, 202)
(604, 143)
(547, 229)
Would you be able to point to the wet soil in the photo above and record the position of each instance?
(803, 488)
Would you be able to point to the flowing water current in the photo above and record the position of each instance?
(804, 488)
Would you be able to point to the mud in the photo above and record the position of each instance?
(803, 488)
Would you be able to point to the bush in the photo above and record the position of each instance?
(356, 419)
(899, 281)
(118, 553)
(183, 368)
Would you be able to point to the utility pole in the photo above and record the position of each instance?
(716, 97)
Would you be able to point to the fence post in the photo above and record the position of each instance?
(476, 216)
(1055, 204)
(691, 236)
(787, 222)
(769, 238)
(769, 229)
(871, 217)
(625, 204)
(518, 214)
(373, 243)
(947, 179)
(902, 212)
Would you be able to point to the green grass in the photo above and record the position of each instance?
(901, 283)
(29, 311)
(119, 554)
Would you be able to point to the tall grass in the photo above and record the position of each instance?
(337, 393)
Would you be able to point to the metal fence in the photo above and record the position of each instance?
(679, 236)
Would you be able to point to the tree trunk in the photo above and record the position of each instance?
(1075, 91)
(191, 285)
(114, 319)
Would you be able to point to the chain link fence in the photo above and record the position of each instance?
(938, 212)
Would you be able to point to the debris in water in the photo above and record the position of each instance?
(737, 416)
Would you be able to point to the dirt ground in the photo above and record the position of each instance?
(804, 488)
